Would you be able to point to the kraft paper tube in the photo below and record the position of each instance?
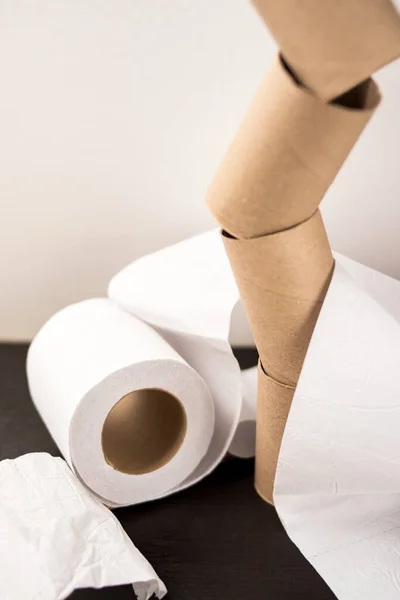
(285, 155)
(333, 45)
(266, 196)
(283, 279)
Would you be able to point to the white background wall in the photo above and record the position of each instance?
(114, 115)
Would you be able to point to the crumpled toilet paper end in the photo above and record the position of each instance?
(55, 537)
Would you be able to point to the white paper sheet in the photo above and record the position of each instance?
(55, 537)
(337, 488)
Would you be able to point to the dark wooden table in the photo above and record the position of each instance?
(215, 541)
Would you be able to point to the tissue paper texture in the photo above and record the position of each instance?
(56, 538)
(333, 44)
(337, 486)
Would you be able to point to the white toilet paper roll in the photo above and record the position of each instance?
(130, 415)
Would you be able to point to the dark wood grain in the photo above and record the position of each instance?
(215, 541)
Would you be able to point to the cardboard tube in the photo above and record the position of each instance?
(285, 155)
(266, 195)
(282, 279)
(273, 404)
(333, 45)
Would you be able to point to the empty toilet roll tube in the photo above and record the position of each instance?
(285, 155)
(283, 279)
(333, 45)
(265, 196)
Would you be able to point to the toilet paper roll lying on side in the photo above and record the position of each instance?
(133, 419)
(91, 366)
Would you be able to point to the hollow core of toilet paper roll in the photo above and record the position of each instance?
(333, 45)
(285, 155)
(143, 431)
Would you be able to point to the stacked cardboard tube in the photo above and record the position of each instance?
(267, 190)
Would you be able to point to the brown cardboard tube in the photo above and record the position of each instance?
(333, 45)
(282, 279)
(285, 156)
(265, 195)
(273, 405)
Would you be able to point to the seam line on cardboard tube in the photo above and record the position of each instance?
(287, 386)
(228, 235)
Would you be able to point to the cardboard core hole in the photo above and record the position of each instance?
(143, 431)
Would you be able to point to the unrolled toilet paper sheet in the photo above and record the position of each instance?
(337, 488)
(55, 537)
(188, 293)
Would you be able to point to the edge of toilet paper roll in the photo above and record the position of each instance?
(282, 279)
(332, 46)
(285, 155)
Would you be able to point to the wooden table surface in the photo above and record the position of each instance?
(215, 541)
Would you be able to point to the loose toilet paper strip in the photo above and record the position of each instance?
(188, 293)
(56, 538)
(244, 441)
(333, 44)
(337, 486)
